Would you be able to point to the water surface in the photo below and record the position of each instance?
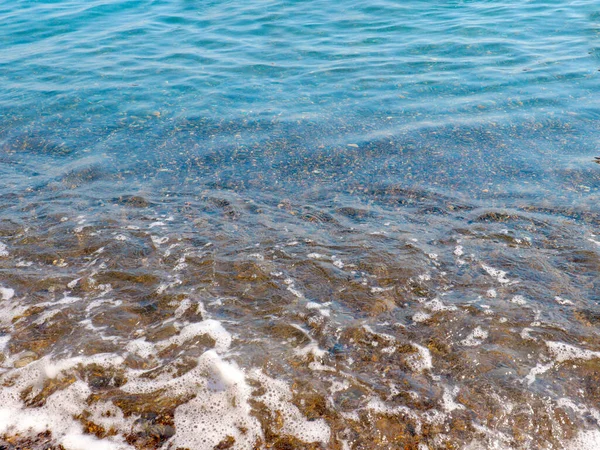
(281, 224)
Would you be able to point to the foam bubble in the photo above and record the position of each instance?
(448, 399)
(386, 337)
(58, 412)
(499, 275)
(563, 301)
(156, 224)
(278, 398)
(421, 317)
(141, 347)
(102, 301)
(594, 241)
(80, 441)
(221, 408)
(560, 352)
(9, 309)
(337, 262)
(563, 352)
(65, 300)
(6, 293)
(537, 370)
(519, 300)
(295, 291)
(158, 241)
(476, 337)
(73, 283)
(421, 360)
(585, 440)
(436, 305)
(211, 327)
(24, 263)
(376, 289)
(4, 341)
(323, 310)
(183, 307)
(311, 349)
(525, 334)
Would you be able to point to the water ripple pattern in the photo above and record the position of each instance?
(299, 224)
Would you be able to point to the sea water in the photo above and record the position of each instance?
(299, 225)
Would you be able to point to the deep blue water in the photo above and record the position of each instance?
(367, 157)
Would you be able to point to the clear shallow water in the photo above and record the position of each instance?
(300, 224)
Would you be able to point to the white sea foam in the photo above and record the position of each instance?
(65, 300)
(499, 275)
(141, 348)
(156, 224)
(519, 300)
(73, 283)
(58, 412)
(184, 305)
(158, 241)
(292, 288)
(421, 360)
(563, 301)
(4, 341)
(6, 293)
(525, 334)
(220, 408)
(585, 440)
(537, 370)
(102, 301)
(386, 337)
(311, 349)
(449, 397)
(257, 256)
(322, 308)
(377, 289)
(436, 305)
(476, 337)
(563, 352)
(278, 398)
(9, 309)
(337, 262)
(421, 316)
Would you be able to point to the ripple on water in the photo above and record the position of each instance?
(299, 225)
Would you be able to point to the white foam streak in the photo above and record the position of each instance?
(58, 412)
(421, 360)
(563, 352)
(499, 275)
(3, 250)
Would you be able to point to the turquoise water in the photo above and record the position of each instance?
(390, 208)
(503, 90)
